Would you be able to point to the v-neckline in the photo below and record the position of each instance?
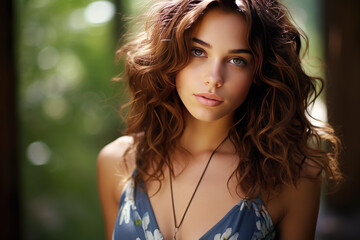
(151, 211)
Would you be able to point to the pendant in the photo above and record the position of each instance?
(175, 232)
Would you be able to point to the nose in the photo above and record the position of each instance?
(214, 78)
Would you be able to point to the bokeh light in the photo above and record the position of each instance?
(47, 58)
(38, 153)
(99, 12)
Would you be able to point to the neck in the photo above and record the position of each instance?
(200, 136)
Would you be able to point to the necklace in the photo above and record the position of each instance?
(177, 226)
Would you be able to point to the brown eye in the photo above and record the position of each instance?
(238, 61)
(197, 52)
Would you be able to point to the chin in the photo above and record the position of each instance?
(205, 116)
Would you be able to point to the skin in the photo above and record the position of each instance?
(219, 66)
(215, 69)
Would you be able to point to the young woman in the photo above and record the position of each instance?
(218, 144)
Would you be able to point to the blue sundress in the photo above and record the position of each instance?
(247, 220)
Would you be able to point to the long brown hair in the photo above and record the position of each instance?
(274, 136)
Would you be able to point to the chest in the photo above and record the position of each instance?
(217, 210)
(212, 201)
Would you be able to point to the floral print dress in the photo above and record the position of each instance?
(247, 220)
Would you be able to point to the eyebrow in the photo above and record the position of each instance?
(201, 42)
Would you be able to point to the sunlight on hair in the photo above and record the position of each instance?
(298, 13)
(239, 3)
(137, 6)
(99, 12)
(38, 153)
(300, 17)
(318, 112)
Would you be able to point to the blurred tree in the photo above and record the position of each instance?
(67, 110)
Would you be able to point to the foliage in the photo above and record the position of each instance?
(68, 111)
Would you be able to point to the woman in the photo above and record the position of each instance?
(218, 145)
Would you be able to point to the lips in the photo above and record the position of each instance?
(209, 99)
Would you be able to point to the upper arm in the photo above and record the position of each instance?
(112, 171)
(301, 207)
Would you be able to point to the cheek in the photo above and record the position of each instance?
(239, 89)
(183, 78)
(178, 78)
(181, 83)
(239, 92)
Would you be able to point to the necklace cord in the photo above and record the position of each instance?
(193, 195)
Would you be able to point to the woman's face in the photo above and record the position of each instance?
(220, 72)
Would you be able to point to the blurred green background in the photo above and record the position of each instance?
(68, 106)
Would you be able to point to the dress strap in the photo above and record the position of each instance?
(134, 172)
(258, 199)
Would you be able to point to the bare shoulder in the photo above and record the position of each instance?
(311, 169)
(308, 185)
(115, 163)
(301, 204)
(117, 148)
(113, 156)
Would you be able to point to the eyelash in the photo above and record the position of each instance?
(202, 54)
(242, 64)
(193, 50)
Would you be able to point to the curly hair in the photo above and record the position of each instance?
(272, 134)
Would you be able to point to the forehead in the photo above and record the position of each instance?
(219, 25)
